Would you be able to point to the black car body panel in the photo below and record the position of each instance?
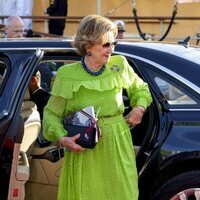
(170, 130)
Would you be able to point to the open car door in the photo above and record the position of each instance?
(16, 68)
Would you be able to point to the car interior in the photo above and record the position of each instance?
(46, 157)
(32, 125)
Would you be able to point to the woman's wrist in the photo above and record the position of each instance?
(141, 108)
(60, 142)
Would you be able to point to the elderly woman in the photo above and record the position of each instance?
(107, 172)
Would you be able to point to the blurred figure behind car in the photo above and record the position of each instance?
(14, 27)
(121, 28)
(38, 94)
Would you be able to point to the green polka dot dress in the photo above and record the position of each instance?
(107, 172)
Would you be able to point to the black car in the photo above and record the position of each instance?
(167, 142)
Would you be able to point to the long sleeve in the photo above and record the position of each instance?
(53, 118)
(138, 91)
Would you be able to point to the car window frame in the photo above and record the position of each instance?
(5, 60)
(151, 72)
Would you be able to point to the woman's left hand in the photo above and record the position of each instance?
(134, 117)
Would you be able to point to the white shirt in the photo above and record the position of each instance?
(17, 7)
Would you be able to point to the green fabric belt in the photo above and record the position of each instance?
(109, 120)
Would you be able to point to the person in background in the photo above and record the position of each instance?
(37, 94)
(24, 9)
(121, 28)
(47, 74)
(30, 33)
(8, 8)
(14, 27)
(40, 97)
(109, 170)
(57, 8)
(17, 8)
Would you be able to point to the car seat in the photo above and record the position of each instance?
(22, 153)
(32, 124)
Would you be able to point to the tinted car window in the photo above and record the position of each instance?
(175, 91)
(172, 94)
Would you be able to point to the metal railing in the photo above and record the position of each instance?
(161, 20)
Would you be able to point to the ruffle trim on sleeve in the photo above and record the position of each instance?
(65, 86)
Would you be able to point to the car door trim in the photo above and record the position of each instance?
(183, 110)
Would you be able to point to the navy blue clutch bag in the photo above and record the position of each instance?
(83, 122)
(88, 135)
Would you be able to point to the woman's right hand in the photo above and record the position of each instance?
(70, 143)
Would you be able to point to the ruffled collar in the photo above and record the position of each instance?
(72, 77)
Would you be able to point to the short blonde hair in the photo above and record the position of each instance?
(93, 29)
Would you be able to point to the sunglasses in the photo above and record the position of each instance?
(108, 44)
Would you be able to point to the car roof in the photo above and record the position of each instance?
(178, 58)
(186, 52)
(33, 43)
(171, 57)
(150, 50)
(169, 48)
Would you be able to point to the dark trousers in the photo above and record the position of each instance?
(55, 27)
